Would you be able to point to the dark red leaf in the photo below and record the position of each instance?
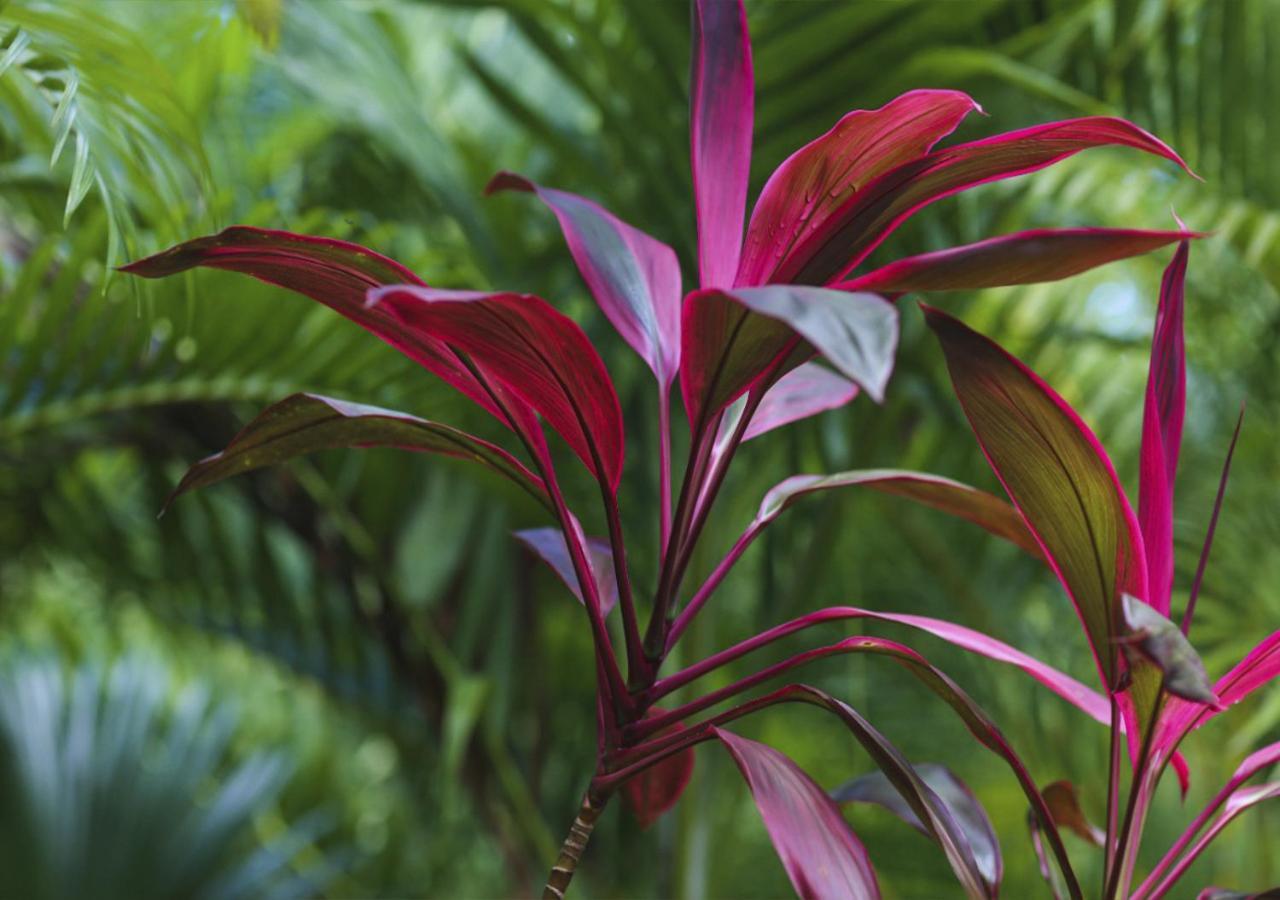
(656, 789)
(537, 353)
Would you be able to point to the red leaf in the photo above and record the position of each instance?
(1162, 416)
(814, 182)
(336, 273)
(822, 856)
(656, 789)
(722, 99)
(826, 254)
(1023, 258)
(537, 353)
(634, 278)
(549, 546)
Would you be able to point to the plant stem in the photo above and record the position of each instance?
(709, 586)
(664, 466)
(1187, 836)
(574, 843)
(1135, 810)
(1113, 791)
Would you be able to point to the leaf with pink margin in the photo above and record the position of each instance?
(306, 423)
(1259, 667)
(722, 115)
(1057, 475)
(1162, 417)
(805, 391)
(548, 544)
(827, 254)
(539, 354)
(1027, 257)
(822, 856)
(336, 273)
(955, 797)
(985, 510)
(634, 278)
(733, 339)
(813, 183)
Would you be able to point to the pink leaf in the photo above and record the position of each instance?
(803, 392)
(634, 278)
(539, 355)
(864, 220)
(1258, 668)
(722, 89)
(822, 856)
(732, 339)
(1162, 415)
(1026, 257)
(814, 182)
(1057, 474)
(549, 545)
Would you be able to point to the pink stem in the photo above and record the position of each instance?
(1185, 863)
(709, 586)
(664, 465)
(638, 668)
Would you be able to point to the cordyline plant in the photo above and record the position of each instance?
(781, 328)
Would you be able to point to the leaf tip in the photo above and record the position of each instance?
(505, 180)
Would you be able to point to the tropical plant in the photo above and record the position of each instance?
(742, 346)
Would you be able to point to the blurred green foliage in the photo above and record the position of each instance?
(364, 619)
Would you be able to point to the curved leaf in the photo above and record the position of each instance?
(732, 339)
(539, 354)
(634, 278)
(1027, 257)
(815, 181)
(305, 423)
(549, 546)
(1064, 803)
(869, 216)
(805, 391)
(1160, 641)
(822, 856)
(953, 795)
(722, 114)
(1058, 476)
(655, 790)
(982, 509)
(336, 273)
(1259, 667)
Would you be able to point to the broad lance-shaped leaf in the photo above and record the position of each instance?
(722, 115)
(1162, 416)
(1058, 476)
(982, 509)
(803, 392)
(339, 275)
(549, 546)
(1023, 258)
(815, 181)
(732, 339)
(634, 278)
(953, 794)
(822, 856)
(655, 790)
(305, 423)
(1160, 641)
(828, 253)
(539, 354)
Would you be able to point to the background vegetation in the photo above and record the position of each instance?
(342, 678)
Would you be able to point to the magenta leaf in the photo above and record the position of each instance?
(1057, 474)
(306, 423)
(339, 275)
(548, 544)
(540, 355)
(734, 339)
(1162, 416)
(951, 795)
(864, 220)
(815, 181)
(655, 790)
(634, 278)
(1023, 258)
(822, 856)
(722, 115)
